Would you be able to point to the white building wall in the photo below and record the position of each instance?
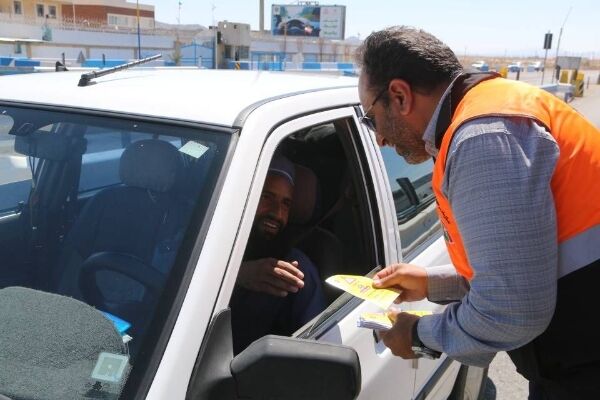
(92, 44)
(55, 53)
(86, 38)
(119, 54)
(108, 39)
(8, 50)
(20, 31)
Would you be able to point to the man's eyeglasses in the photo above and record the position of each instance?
(369, 122)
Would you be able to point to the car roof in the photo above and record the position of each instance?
(208, 96)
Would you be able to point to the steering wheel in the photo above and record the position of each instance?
(138, 312)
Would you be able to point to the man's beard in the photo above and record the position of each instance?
(263, 246)
(405, 140)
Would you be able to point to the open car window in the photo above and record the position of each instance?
(329, 229)
(93, 215)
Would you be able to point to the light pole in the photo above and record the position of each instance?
(73, 5)
(558, 42)
(138, 31)
(284, 44)
(216, 28)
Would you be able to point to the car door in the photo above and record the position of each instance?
(337, 323)
(421, 244)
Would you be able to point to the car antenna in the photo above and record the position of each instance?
(86, 78)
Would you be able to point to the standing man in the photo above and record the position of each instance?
(517, 185)
(278, 288)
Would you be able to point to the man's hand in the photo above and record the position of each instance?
(399, 338)
(411, 279)
(271, 276)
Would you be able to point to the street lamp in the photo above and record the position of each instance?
(216, 28)
(138, 30)
(558, 43)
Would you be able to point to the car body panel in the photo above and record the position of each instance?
(167, 94)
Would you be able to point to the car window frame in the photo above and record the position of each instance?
(345, 303)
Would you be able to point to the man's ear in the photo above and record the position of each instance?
(401, 95)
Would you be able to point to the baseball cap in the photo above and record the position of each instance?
(280, 165)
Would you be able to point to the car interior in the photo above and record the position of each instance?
(93, 223)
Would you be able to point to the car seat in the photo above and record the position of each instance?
(121, 246)
(319, 244)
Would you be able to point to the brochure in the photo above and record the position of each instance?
(362, 287)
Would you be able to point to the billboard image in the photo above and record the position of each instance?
(316, 21)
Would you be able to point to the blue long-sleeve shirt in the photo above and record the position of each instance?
(497, 181)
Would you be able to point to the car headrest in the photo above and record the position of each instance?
(150, 164)
(304, 206)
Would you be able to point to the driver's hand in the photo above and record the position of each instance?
(271, 276)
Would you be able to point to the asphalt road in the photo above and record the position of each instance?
(504, 382)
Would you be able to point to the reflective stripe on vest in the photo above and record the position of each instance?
(576, 180)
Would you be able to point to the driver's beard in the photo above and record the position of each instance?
(260, 246)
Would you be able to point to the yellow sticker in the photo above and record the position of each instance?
(362, 287)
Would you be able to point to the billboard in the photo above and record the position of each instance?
(568, 62)
(326, 22)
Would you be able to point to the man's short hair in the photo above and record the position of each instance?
(401, 52)
(282, 166)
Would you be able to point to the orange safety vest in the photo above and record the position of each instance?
(576, 180)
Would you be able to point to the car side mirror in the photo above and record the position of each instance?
(272, 367)
(282, 367)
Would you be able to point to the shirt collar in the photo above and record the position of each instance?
(430, 131)
(442, 116)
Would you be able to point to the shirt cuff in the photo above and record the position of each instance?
(425, 330)
(444, 284)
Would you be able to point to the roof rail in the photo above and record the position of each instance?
(86, 78)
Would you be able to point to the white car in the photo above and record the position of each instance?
(536, 66)
(480, 65)
(515, 67)
(125, 208)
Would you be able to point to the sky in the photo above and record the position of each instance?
(469, 27)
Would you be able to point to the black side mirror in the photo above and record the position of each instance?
(286, 368)
(273, 367)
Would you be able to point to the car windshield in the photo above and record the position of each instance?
(95, 216)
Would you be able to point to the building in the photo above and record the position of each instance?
(93, 13)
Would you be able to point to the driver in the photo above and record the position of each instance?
(278, 288)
